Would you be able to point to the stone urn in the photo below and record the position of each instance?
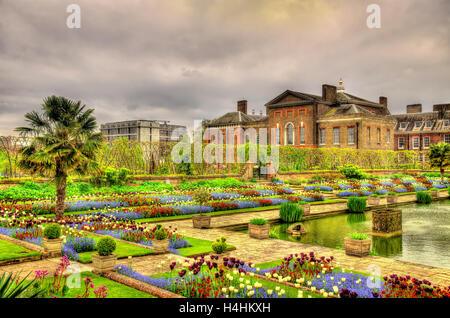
(373, 200)
(201, 221)
(434, 193)
(390, 198)
(160, 246)
(103, 264)
(259, 231)
(52, 246)
(358, 248)
(296, 229)
(306, 209)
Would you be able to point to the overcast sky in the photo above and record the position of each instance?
(192, 59)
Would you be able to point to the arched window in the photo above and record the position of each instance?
(290, 134)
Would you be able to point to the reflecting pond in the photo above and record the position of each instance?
(425, 239)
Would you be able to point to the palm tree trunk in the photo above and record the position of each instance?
(60, 197)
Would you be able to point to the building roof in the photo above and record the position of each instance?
(406, 123)
(347, 109)
(236, 118)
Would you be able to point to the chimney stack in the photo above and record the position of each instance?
(242, 106)
(329, 93)
(414, 108)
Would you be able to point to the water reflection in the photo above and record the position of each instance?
(387, 246)
(354, 218)
(426, 233)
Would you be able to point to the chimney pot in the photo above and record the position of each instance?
(242, 106)
(329, 93)
(414, 108)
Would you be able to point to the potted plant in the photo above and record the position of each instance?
(373, 199)
(220, 245)
(434, 192)
(201, 221)
(391, 197)
(52, 240)
(358, 244)
(160, 242)
(259, 229)
(105, 260)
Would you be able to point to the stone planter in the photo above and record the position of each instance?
(387, 222)
(391, 198)
(201, 221)
(358, 248)
(103, 264)
(435, 193)
(259, 231)
(306, 209)
(373, 200)
(52, 246)
(160, 246)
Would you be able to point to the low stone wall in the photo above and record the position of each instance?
(144, 287)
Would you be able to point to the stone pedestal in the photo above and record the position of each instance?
(387, 222)
(160, 246)
(358, 248)
(201, 221)
(373, 200)
(52, 246)
(259, 231)
(103, 264)
(306, 209)
(435, 194)
(391, 198)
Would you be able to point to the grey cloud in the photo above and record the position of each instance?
(192, 59)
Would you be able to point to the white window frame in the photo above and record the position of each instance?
(403, 123)
(418, 122)
(322, 131)
(447, 141)
(446, 123)
(286, 134)
(424, 145)
(413, 142)
(402, 139)
(353, 135)
(338, 130)
(302, 142)
(429, 122)
(388, 136)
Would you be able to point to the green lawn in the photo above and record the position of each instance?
(198, 247)
(122, 250)
(10, 250)
(114, 289)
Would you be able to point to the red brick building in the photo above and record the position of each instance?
(333, 119)
(416, 130)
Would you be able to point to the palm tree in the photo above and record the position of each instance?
(440, 157)
(63, 141)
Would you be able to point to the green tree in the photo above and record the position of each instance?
(62, 141)
(440, 157)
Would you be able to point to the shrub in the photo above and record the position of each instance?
(219, 246)
(291, 212)
(424, 197)
(106, 246)
(160, 232)
(258, 221)
(201, 196)
(358, 236)
(352, 172)
(274, 235)
(52, 231)
(80, 244)
(356, 205)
